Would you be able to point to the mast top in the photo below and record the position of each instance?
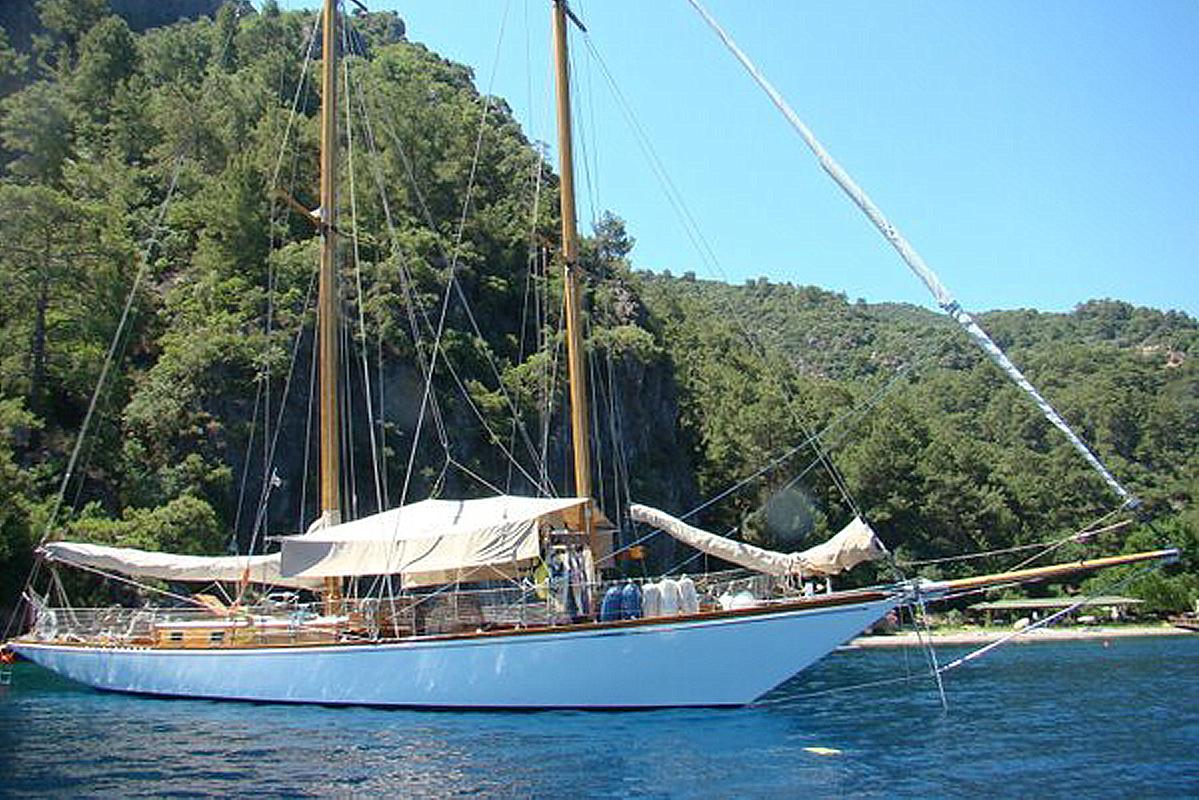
(571, 15)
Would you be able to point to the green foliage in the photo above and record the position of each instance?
(186, 524)
(16, 485)
(57, 264)
(946, 457)
(697, 386)
(107, 59)
(12, 65)
(35, 126)
(71, 19)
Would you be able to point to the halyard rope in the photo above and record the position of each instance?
(969, 657)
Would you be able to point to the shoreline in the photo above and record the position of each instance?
(987, 635)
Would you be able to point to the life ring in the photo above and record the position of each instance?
(7, 657)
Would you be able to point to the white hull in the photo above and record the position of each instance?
(725, 660)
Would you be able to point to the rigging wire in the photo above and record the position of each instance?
(531, 293)
(361, 297)
(295, 354)
(407, 283)
(914, 261)
(833, 432)
(532, 278)
(971, 656)
(924, 636)
(1055, 545)
(452, 276)
(117, 344)
(114, 576)
(428, 399)
(585, 133)
(264, 384)
(981, 651)
(1077, 537)
(383, 583)
(345, 417)
(302, 522)
(620, 456)
(844, 419)
(110, 356)
(557, 377)
(295, 102)
(699, 242)
(411, 299)
(453, 286)
(245, 473)
(382, 423)
(596, 432)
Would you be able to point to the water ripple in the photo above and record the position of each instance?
(1045, 720)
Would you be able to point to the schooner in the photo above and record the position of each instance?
(471, 624)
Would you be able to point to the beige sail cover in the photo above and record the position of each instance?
(172, 566)
(854, 544)
(435, 541)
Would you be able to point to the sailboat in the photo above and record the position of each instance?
(473, 625)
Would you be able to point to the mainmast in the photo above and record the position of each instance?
(579, 420)
(327, 306)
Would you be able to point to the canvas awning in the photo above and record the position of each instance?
(854, 544)
(172, 566)
(437, 541)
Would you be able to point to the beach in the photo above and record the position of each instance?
(958, 636)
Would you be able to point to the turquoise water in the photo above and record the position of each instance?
(1046, 720)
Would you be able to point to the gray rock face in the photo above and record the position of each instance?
(20, 20)
(143, 14)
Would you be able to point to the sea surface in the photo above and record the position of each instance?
(1086, 719)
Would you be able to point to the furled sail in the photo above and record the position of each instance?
(437, 541)
(172, 566)
(854, 544)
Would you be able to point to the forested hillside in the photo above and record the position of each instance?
(943, 454)
(163, 157)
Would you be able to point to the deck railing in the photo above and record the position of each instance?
(439, 611)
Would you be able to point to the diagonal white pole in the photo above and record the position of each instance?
(913, 259)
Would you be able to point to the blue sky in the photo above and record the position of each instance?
(1037, 154)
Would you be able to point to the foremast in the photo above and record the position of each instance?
(327, 303)
(580, 427)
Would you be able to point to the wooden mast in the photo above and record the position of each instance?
(1168, 555)
(580, 429)
(327, 306)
